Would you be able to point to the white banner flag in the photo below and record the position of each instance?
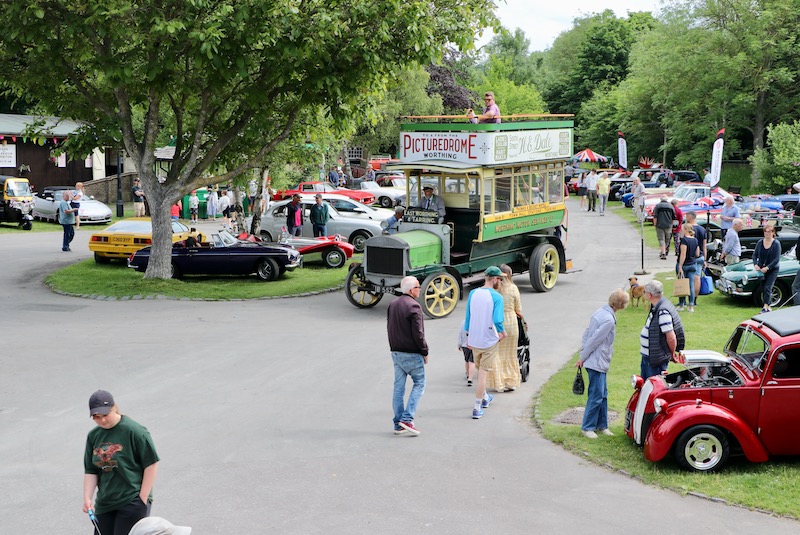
(716, 158)
(622, 151)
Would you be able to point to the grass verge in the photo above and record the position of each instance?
(772, 486)
(115, 280)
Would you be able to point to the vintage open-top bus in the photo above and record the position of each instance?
(503, 192)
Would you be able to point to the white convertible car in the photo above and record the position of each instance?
(45, 206)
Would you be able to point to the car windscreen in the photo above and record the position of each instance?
(17, 189)
(179, 227)
(749, 347)
(131, 227)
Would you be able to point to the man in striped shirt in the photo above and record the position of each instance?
(659, 339)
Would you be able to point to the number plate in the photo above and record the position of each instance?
(118, 240)
(628, 418)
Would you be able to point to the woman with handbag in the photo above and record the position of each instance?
(687, 263)
(766, 259)
(597, 348)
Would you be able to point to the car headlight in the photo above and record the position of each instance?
(744, 280)
(659, 405)
(637, 382)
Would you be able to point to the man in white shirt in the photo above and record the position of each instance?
(638, 191)
(591, 191)
(484, 326)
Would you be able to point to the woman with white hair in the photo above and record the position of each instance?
(728, 213)
(596, 352)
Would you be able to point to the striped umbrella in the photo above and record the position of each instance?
(588, 155)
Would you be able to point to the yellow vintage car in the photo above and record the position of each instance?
(125, 237)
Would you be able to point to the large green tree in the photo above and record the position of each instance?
(227, 77)
(725, 65)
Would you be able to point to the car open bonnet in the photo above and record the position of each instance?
(704, 357)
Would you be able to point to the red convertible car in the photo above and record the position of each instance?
(744, 401)
(333, 251)
(364, 197)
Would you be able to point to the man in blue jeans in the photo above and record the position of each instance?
(409, 353)
(66, 216)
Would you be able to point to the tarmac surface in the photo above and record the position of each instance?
(274, 416)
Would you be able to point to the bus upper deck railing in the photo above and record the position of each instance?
(508, 118)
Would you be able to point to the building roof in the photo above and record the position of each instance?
(15, 125)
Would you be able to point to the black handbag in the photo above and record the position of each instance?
(578, 386)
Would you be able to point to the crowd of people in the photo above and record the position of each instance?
(487, 338)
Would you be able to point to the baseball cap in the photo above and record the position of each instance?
(318, 196)
(493, 271)
(100, 403)
(155, 525)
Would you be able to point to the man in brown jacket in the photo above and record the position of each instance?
(409, 353)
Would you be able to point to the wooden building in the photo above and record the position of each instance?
(32, 156)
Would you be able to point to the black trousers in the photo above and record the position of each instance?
(120, 521)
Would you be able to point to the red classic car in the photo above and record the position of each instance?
(364, 197)
(745, 401)
(333, 251)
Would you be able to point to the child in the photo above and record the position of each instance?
(469, 363)
(194, 205)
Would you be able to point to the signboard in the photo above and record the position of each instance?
(421, 215)
(486, 148)
(8, 156)
(516, 224)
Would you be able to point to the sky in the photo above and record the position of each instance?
(543, 21)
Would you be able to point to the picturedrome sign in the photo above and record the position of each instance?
(485, 148)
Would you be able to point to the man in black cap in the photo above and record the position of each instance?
(121, 463)
(430, 201)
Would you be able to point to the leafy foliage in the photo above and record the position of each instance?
(779, 166)
(228, 79)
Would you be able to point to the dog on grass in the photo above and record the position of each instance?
(636, 291)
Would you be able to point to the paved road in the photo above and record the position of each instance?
(274, 416)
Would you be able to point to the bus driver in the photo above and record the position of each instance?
(432, 202)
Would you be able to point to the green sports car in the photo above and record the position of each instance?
(741, 280)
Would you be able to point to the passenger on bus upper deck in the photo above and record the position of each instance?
(491, 113)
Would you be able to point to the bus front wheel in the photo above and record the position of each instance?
(357, 289)
(544, 267)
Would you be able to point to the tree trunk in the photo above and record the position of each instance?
(237, 200)
(759, 127)
(346, 164)
(159, 198)
(255, 224)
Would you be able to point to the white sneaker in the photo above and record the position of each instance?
(589, 434)
(607, 432)
(680, 308)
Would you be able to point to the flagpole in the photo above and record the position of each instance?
(641, 233)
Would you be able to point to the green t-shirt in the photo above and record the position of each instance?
(118, 457)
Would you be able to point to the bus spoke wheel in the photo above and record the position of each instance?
(544, 267)
(439, 295)
(357, 289)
